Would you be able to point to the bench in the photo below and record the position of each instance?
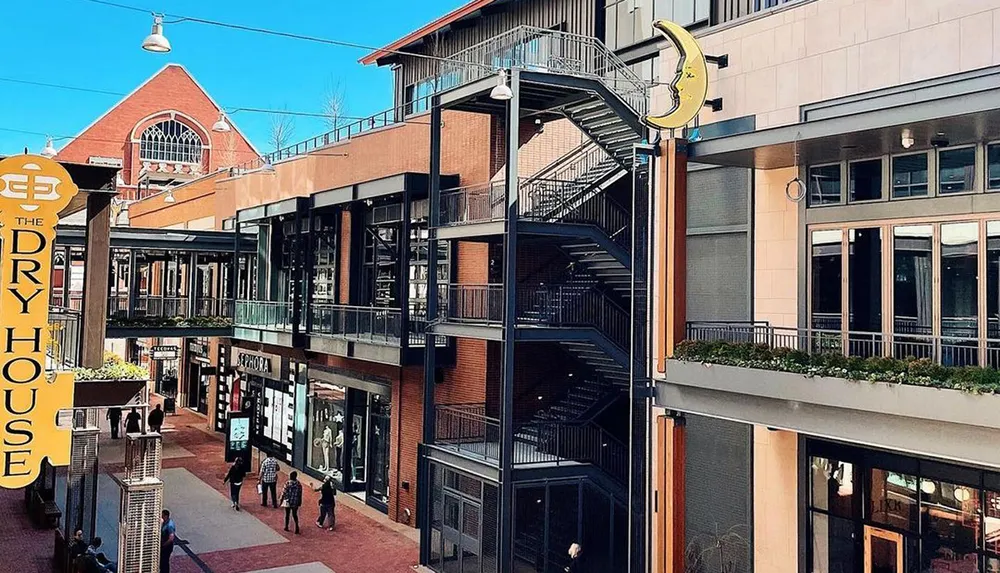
(52, 514)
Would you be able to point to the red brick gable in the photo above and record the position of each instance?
(170, 93)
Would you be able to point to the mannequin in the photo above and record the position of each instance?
(338, 444)
(327, 441)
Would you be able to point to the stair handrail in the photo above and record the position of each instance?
(580, 449)
(540, 49)
(542, 199)
(609, 318)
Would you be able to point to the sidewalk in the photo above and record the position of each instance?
(217, 539)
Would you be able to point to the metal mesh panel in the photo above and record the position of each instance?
(81, 476)
(143, 455)
(717, 496)
(718, 197)
(718, 277)
(139, 529)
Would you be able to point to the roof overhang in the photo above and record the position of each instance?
(469, 11)
(161, 239)
(964, 107)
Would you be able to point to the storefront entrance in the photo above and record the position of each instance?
(349, 437)
(883, 551)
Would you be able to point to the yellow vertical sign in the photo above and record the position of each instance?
(33, 190)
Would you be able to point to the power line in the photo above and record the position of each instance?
(60, 86)
(81, 138)
(341, 43)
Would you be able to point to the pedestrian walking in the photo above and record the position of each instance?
(132, 422)
(114, 417)
(235, 477)
(155, 419)
(168, 533)
(269, 480)
(327, 503)
(575, 558)
(291, 499)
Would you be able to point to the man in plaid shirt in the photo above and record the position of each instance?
(269, 480)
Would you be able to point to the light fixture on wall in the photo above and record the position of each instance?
(156, 42)
(221, 126)
(48, 151)
(906, 138)
(927, 486)
(962, 494)
(169, 198)
(501, 92)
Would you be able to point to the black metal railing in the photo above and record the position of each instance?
(466, 427)
(364, 323)
(561, 442)
(263, 314)
(474, 303)
(481, 203)
(943, 350)
(569, 201)
(570, 305)
(64, 337)
(418, 330)
(210, 306)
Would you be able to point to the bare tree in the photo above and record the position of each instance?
(334, 104)
(282, 129)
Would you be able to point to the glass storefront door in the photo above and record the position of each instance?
(378, 452)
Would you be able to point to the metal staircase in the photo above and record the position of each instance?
(602, 265)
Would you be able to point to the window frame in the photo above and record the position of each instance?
(986, 167)
(882, 184)
(931, 188)
(937, 170)
(843, 196)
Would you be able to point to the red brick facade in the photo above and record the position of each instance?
(170, 94)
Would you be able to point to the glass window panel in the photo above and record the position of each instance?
(991, 522)
(625, 23)
(833, 545)
(912, 290)
(826, 279)
(959, 293)
(909, 176)
(824, 185)
(864, 291)
(993, 292)
(993, 166)
(834, 487)
(611, 26)
(950, 515)
(642, 15)
(702, 10)
(893, 499)
(866, 180)
(957, 170)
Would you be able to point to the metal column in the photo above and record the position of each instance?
(505, 543)
(133, 282)
(192, 283)
(425, 495)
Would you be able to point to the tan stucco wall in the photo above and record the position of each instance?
(775, 280)
(832, 48)
(775, 500)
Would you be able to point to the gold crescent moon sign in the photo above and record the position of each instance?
(689, 87)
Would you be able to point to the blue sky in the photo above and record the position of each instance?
(77, 43)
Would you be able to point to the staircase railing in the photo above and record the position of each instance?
(566, 202)
(561, 442)
(481, 203)
(586, 160)
(569, 305)
(467, 428)
(539, 49)
(474, 303)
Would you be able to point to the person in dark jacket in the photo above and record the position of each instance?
(235, 479)
(575, 559)
(327, 503)
(132, 422)
(77, 546)
(291, 499)
(114, 417)
(155, 419)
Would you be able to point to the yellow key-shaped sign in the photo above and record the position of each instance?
(33, 190)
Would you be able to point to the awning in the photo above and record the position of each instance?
(965, 108)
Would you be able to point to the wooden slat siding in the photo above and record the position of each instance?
(578, 17)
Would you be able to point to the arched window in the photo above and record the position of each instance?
(170, 141)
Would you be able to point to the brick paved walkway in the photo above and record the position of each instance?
(362, 543)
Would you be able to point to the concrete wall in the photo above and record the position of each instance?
(775, 500)
(775, 268)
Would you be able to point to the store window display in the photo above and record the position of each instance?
(326, 428)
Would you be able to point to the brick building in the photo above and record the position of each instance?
(160, 136)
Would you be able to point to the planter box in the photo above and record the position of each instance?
(103, 393)
(942, 405)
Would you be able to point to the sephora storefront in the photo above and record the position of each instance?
(266, 388)
(874, 511)
(348, 421)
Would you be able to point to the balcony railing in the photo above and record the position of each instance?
(543, 50)
(481, 203)
(574, 306)
(474, 303)
(561, 442)
(148, 305)
(943, 350)
(364, 323)
(64, 337)
(467, 428)
(210, 306)
(568, 201)
(264, 315)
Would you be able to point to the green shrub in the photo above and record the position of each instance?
(114, 368)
